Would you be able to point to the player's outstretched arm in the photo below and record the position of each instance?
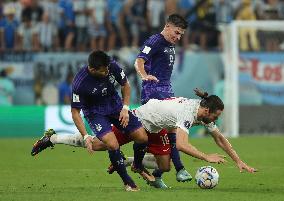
(82, 129)
(223, 142)
(187, 148)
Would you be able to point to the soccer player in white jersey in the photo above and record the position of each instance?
(183, 113)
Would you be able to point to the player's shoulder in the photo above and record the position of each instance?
(115, 67)
(80, 77)
(113, 64)
(83, 72)
(154, 40)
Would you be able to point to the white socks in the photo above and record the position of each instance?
(149, 162)
(76, 140)
(68, 139)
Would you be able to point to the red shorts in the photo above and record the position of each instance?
(158, 144)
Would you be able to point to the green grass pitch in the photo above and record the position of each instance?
(68, 173)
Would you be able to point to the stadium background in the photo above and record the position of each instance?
(43, 44)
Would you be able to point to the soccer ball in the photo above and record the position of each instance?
(207, 177)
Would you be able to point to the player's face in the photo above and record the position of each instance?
(100, 72)
(174, 33)
(212, 117)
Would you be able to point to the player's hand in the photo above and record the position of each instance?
(242, 166)
(150, 78)
(89, 144)
(124, 117)
(216, 158)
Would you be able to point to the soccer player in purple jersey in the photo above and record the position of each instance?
(94, 93)
(154, 64)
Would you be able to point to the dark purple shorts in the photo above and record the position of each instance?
(102, 124)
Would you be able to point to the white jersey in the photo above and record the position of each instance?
(169, 114)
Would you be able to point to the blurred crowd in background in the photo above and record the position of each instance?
(83, 25)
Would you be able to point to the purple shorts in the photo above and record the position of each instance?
(102, 124)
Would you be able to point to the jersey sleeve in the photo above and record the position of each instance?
(118, 73)
(184, 128)
(184, 124)
(148, 50)
(77, 99)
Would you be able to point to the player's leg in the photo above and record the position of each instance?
(139, 146)
(50, 138)
(105, 134)
(122, 138)
(116, 159)
(138, 134)
(182, 175)
(159, 146)
(149, 161)
(163, 162)
(140, 139)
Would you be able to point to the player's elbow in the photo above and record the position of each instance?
(138, 62)
(75, 113)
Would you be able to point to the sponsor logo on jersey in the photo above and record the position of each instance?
(98, 127)
(76, 98)
(146, 50)
(186, 124)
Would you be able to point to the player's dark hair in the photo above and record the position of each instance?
(98, 59)
(177, 20)
(212, 102)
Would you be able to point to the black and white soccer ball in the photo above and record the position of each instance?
(207, 177)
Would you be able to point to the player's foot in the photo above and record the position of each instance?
(183, 176)
(43, 142)
(145, 174)
(158, 183)
(131, 187)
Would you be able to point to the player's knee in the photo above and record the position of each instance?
(99, 145)
(113, 146)
(139, 136)
(165, 168)
(143, 139)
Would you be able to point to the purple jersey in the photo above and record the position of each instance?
(159, 55)
(98, 95)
